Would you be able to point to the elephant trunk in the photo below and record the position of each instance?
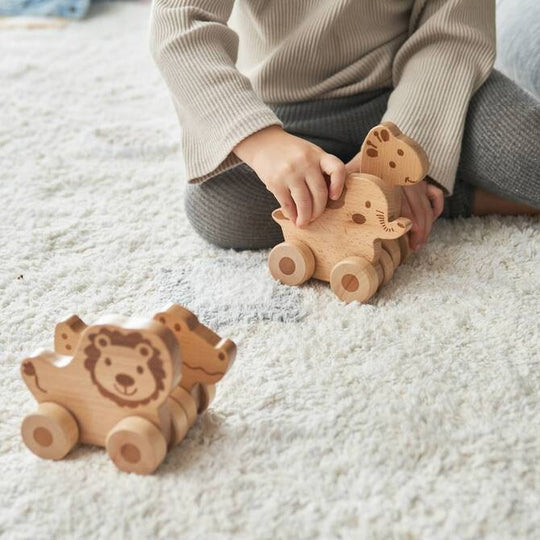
(390, 230)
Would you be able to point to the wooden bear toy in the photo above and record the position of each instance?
(359, 240)
(133, 386)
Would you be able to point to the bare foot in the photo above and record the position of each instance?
(486, 203)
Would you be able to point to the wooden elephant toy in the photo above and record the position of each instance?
(133, 386)
(360, 239)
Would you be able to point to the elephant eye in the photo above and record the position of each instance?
(108, 361)
(368, 204)
(221, 356)
(359, 218)
(177, 327)
(139, 370)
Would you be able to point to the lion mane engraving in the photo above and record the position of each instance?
(138, 347)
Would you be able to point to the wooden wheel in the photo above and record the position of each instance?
(404, 247)
(205, 394)
(50, 432)
(292, 263)
(209, 395)
(136, 445)
(387, 265)
(393, 249)
(354, 278)
(187, 402)
(179, 420)
(380, 273)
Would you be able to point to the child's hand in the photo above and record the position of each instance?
(294, 170)
(422, 203)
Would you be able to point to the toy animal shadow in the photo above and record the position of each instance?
(359, 240)
(133, 386)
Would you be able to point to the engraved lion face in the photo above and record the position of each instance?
(126, 368)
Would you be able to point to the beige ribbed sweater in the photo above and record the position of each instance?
(224, 60)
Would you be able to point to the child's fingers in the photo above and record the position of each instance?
(283, 196)
(319, 192)
(335, 168)
(418, 222)
(436, 197)
(353, 166)
(427, 212)
(406, 211)
(302, 198)
(419, 228)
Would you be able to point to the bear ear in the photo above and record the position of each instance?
(372, 151)
(144, 350)
(392, 156)
(67, 334)
(102, 341)
(178, 319)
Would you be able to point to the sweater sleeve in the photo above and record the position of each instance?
(447, 57)
(216, 105)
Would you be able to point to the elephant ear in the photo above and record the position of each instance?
(374, 206)
(392, 156)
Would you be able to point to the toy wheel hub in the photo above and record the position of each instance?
(350, 283)
(287, 266)
(131, 453)
(43, 436)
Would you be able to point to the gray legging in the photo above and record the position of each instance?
(500, 153)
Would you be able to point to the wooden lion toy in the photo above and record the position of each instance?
(360, 239)
(133, 386)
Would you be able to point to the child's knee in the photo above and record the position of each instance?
(207, 223)
(231, 222)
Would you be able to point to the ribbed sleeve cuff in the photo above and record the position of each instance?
(212, 155)
(216, 105)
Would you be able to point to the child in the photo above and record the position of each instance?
(275, 105)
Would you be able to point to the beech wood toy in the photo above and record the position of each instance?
(359, 240)
(133, 386)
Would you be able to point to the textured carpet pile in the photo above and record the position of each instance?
(416, 416)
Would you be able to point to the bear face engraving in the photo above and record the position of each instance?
(392, 156)
(126, 368)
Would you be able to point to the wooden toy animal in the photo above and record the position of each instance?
(133, 386)
(359, 240)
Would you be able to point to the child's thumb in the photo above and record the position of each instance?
(333, 166)
(353, 166)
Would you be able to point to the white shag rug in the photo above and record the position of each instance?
(414, 417)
